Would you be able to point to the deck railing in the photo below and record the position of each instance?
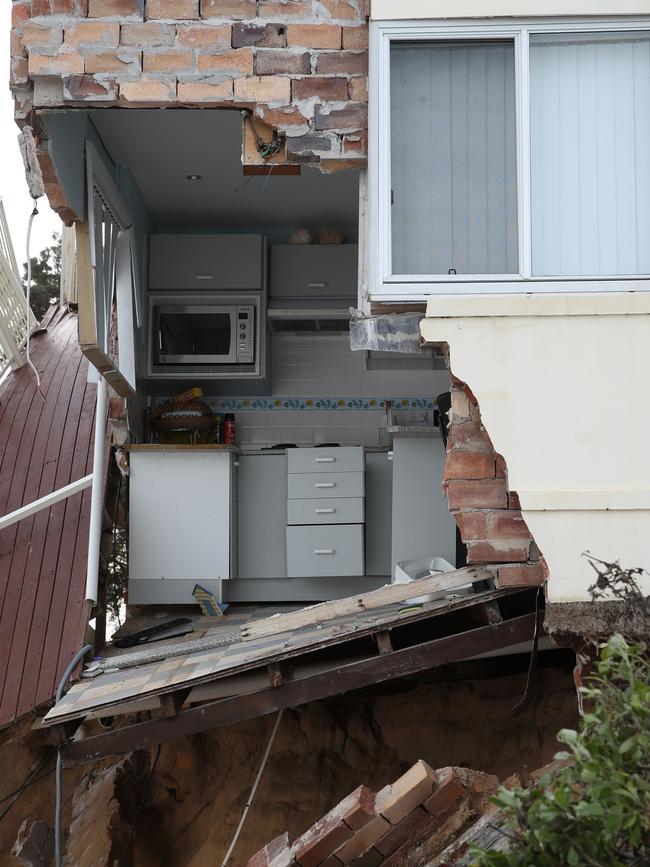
(15, 323)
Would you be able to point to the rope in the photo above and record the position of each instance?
(231, 848)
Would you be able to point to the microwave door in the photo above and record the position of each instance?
(197, 335)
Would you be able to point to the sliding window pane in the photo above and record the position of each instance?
(590, 153)
(453, 158)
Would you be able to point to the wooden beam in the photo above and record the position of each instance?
(272, 170)
(172, 702)
(384, 644)
(336, 681)
(390, 595)
(278, 673)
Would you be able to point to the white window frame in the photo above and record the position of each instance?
(386, 286)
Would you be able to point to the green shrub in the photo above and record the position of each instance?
(596, 811)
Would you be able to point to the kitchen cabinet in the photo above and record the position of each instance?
(194, 262)
(379, 513)
(316, 270)
(262, 509)
(325, 512)
(180, 528)
(422, 523)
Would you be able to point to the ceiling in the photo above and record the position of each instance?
(162, 147)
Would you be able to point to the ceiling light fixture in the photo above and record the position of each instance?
(193, 177)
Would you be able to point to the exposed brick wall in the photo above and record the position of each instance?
(488, 514)
(299, 65)
(378, 828)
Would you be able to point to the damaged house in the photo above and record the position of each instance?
(331, 327)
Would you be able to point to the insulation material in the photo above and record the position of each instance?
(390, 332)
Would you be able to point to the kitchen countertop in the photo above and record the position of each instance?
(261, 451)
(413, 430)
(180, 447)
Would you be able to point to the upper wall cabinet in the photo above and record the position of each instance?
(313, 270)
(206, 262)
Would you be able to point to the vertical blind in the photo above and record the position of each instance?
(590, 153)
(453, 158)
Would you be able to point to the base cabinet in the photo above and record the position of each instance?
(318, 552)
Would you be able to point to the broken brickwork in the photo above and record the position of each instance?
(488, 514)
(300, 66)
(369, 828)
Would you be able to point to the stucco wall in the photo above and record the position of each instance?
(401, 9)
(560, 381)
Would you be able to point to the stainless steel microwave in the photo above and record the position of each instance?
(209, 334)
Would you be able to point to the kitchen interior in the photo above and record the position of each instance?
(271, 463)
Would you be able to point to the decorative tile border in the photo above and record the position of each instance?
(238, 404)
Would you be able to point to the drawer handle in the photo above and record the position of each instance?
(205, 276)
(324, 511)
(324, 551)
(316, 285)
(325, 484)
(325, 460)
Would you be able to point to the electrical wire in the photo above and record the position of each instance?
(138, 808)
(29, 309)
(231, 848)
(12, 797)
(58, 805)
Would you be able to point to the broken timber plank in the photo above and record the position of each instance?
(389, 595)
(384, 644)
(335, 681)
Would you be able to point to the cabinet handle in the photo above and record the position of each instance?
(325, 485)
(325, 460)
(324, 511)
(323, 550)
(316, 285)
(205, 276)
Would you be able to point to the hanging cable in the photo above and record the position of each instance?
(231, 848)
(138, 808)
(29, 308)
(58, 806)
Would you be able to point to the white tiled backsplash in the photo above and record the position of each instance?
(322, 365)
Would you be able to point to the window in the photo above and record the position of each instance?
(509, 153)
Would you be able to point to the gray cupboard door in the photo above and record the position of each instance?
(195, 262)
(262, 516)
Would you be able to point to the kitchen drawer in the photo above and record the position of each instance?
(309, 486)
(325, 551)
(328, 460)
(313, 270)
(349, 510)
(194, 262)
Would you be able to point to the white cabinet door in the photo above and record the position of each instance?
(313, 270)
(193, 262)
(179, 524)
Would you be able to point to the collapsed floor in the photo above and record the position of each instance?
(322, 752)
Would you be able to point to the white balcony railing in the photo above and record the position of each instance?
(15, 323)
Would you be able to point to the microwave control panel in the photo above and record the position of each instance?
(245, 333)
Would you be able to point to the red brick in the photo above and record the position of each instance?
(352, 117)
(168, 60)
(355, 143)
(20, 13)
(174, 9)
(273, 62)
(64, 63)
(148, 91)
(42, 36)
(448, 789)
(468, 434)
(115, 8)
(280, 117)
(502, 469)
(358, 808)
(259, 35)
(283, 9)
(81, 87)
(204, 36)
(524, 575)
(403, 831)
(355, 37)
(358, 89)
(268, 88)
(18, 71)
(326, 89)
(150, 34)
(460, 405)
(497, 551)
(92, 33)
(472, 525)
(469, 465)
(347, 62)
(477, 494)
(267, 853)
(363, 840)
(314, 35)
(332, 861)
(238, 62)
(321, 840)
(113, 60)
(53, 7)
(404, 795)
(341, 9)
(237, 9)
(513, 500)
(193, 92)
(506, 524)
(372, 858)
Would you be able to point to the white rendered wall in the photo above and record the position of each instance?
(562, 387)
(404, 9)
